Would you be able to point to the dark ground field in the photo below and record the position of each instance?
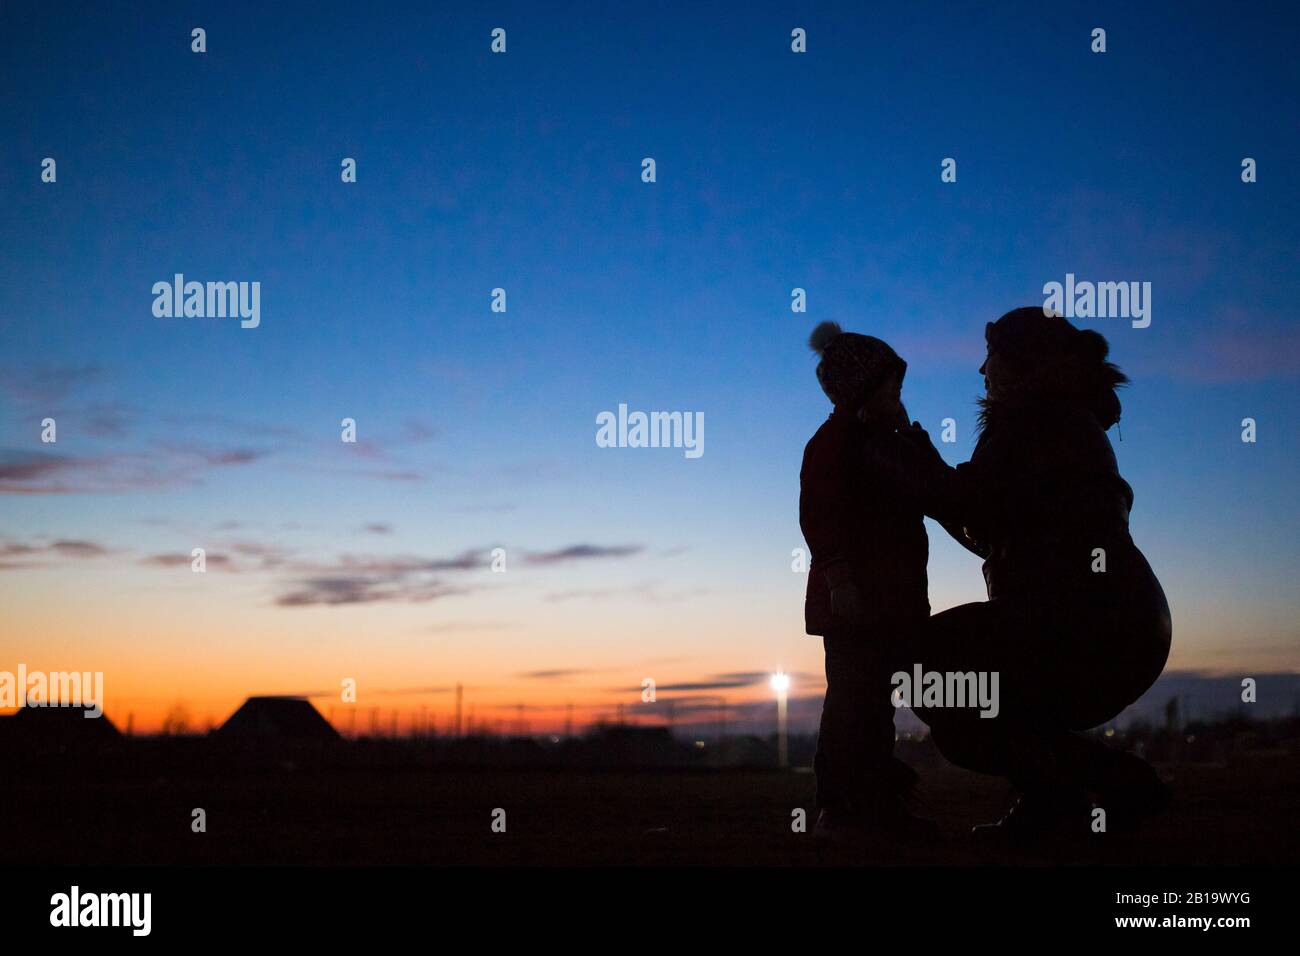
(1243, 813)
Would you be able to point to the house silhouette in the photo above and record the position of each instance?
(276, 719)
(56, 730)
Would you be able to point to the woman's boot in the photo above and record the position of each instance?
(1123, 784)
(1052, 803)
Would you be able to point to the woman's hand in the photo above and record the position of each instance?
(912, 468)
(919, 438)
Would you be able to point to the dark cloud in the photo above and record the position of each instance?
(398, 564)
(176, 560)
(465, 561)
(364, 448)
(364, 589)
(582, 552)
(213, 455)
(18, 466)
(354, 590)
(415, 431)
(256, 549)
(756, 677)
(15, 555)
(556, 674)
(167, 466)
(469, 560)
(700, 685)
(729, 681)
(349, 579)
(236, 456)
(366, 579)
(107, 424)
(79, 549)
(381, 447)
(259, 556)
(392, 475)
(48, 385)
(231, 556)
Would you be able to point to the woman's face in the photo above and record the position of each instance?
(994, 371)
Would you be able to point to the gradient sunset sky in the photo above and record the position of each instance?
(476, 430)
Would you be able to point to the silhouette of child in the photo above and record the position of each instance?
(867, 587)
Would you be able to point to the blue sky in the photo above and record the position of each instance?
(522, 171)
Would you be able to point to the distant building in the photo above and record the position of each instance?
(626, 745)
(57, 729)
(277, 720)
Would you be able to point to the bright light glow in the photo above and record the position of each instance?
(780, 682)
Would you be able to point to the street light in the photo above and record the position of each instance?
(781, 684)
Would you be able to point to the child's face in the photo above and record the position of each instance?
(884, 404)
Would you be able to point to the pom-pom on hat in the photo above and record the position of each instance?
(852, 365)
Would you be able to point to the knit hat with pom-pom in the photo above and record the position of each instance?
(852, 365)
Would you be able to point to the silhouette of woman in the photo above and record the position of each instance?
(1076, 625)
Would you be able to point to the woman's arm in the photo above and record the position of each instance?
(963, 537)
(913, 467)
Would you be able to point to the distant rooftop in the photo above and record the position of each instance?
(277, 718)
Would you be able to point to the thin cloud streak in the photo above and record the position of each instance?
(582, 552)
